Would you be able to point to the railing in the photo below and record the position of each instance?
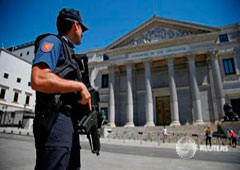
(159, 137)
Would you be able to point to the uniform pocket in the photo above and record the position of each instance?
(61, 132)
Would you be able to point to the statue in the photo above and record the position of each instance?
(229, 114)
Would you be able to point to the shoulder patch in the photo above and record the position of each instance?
(46, 47)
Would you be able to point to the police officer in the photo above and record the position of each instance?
(59, 148)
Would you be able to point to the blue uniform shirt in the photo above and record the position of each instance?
(50, 51)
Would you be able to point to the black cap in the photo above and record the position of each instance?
(72, 15)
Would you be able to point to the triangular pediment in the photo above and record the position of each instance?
(159, 29)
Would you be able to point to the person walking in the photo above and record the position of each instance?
(208, 135)
(165, 134)
(233, 138)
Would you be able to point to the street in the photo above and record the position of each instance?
(18, 152)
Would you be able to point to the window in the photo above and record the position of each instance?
(28, 53)
(12, 115)
(223, 38)
(21, 55)
(18, 80)
(27, 100)
(2, 94)
(105, 81)
(15, 99)
(29, 83)
(105, 57)
(5, 75)
(229, 66)
(105, 113)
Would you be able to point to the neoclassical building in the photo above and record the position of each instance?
(164, 72)
(168, 72)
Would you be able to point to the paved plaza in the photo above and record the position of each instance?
(18, 152)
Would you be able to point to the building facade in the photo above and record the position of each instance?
(24, 51)
(17, 99)
(168, 72)
(164, 72)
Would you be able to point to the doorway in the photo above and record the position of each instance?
(163, 110)
(235, 106)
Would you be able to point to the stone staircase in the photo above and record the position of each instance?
(155, 133)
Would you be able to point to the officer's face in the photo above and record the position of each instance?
(78, 34)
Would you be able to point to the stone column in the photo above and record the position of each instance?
(173, 94)
(236, 57)
(213, 96)
(197, 107)
(129, 116)
(93, 75)
(111, 98)
(220, 96)
(148, 94)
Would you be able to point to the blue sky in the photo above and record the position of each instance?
(22, 21)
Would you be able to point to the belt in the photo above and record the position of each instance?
(66, 109)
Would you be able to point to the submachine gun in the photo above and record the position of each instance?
(91, 122)
(88, 122)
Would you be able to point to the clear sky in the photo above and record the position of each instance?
(22, 21)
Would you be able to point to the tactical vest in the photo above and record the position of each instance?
(68, 66)
(72, 68)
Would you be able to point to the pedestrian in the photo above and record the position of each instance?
(208, 135)
(56, 138)
(233, 138)
(165, 134)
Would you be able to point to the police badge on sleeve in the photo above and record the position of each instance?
(46, 47)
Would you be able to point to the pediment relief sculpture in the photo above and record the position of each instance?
(157, 34)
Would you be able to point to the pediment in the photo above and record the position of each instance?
(159, 29)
